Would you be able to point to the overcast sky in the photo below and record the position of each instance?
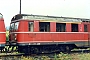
(65, 8)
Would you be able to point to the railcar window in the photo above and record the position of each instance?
(85, 28)
(44, 26)
(60, 27)
(16, 25)
(12, 26)
(74, 27)
(31, 26)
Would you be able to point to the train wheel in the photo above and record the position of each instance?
(21, 49)
(67, 48)
(35, 51)
(62, 48)
(25, 49)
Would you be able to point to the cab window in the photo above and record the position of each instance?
(31, 26)
(16, 25)
(12, 26)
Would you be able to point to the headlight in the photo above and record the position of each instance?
(15, 35)
(15, 38)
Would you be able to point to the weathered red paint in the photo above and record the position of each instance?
(81, 27)
(36, 26)
(59, 37)
(2, 29)
(23, 26)
(50, 37)
(88, 27)
(68, 27)
(52, 27)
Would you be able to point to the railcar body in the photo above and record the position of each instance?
(35, 33)
(2, 32)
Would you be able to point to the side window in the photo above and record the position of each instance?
(74, 27)
(85, 28)
(31, 26)
(60, 27)
(44, 26)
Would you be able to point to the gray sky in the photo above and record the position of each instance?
(65, 8)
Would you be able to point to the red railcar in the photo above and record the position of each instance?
(2, 32)
(37, 33)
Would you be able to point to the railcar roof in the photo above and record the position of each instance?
(20, 16)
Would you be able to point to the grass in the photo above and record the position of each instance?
(61, 56)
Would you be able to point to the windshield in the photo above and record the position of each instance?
(14, 26)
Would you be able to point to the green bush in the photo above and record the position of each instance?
(7, 35)
(63, 56)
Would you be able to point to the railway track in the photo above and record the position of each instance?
(10, 54)
(80, 51)
(39, 56)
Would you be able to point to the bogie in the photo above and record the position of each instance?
(38, 49)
